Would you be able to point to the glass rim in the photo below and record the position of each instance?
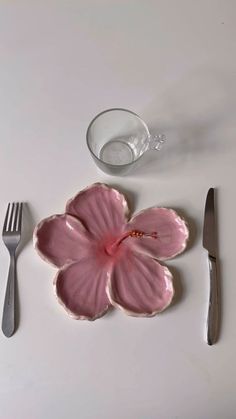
(102, 113)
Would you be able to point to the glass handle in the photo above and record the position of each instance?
(155, 142)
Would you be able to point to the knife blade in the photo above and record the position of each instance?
(209, 229)
(210, 244)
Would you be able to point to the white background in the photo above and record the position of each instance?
(174, 63)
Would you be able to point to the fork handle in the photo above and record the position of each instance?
(8, 318)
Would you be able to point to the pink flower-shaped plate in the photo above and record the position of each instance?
(106, 258)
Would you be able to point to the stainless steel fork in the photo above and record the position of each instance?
(11, 235)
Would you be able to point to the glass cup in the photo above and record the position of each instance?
(118, 138)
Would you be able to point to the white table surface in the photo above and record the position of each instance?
(174, 63)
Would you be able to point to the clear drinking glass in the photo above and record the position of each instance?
(118, 138)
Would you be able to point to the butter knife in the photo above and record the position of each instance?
(210, 244)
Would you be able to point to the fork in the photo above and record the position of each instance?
(11, 236)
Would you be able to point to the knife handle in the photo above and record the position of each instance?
(213, 310)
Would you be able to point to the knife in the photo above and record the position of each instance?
(210, 244)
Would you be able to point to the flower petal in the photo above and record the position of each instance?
(140, 285)
(103, 210)
(172, 233)
(80, 288)
(61, 239)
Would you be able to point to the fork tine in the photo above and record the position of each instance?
(20, 218)
(16, 217)
(11, 217)
(6, 218)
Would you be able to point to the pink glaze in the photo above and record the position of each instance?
(172, 232)
(81, 289)
(102, 210)
(61, 239)
(105, 259)
(140, 285)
